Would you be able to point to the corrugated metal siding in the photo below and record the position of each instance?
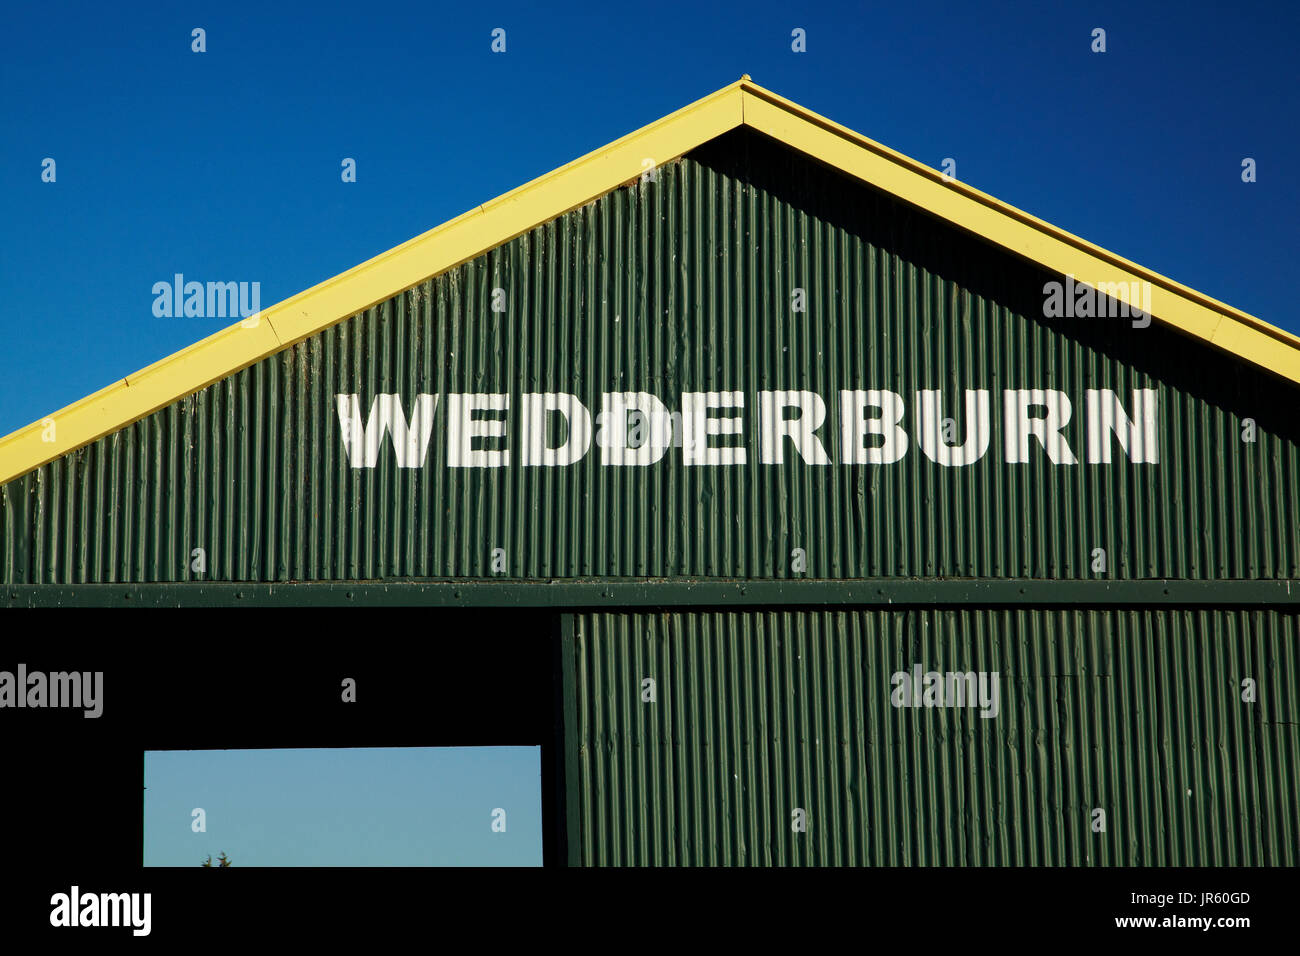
(1138, 713)
(685, 284)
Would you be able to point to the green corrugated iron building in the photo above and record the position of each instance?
(874, 520)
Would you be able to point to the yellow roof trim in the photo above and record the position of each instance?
(583, 180)
(1059, 251)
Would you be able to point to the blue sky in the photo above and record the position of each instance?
(225, 165)
(408, 806)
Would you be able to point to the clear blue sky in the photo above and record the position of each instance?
(407, 806)
(225, 165)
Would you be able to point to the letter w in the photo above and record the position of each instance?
(410, 442)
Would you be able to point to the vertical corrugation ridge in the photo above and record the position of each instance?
(1135, 713)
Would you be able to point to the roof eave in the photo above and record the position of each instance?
(585, 179)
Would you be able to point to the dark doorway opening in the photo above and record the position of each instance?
(241, 680)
